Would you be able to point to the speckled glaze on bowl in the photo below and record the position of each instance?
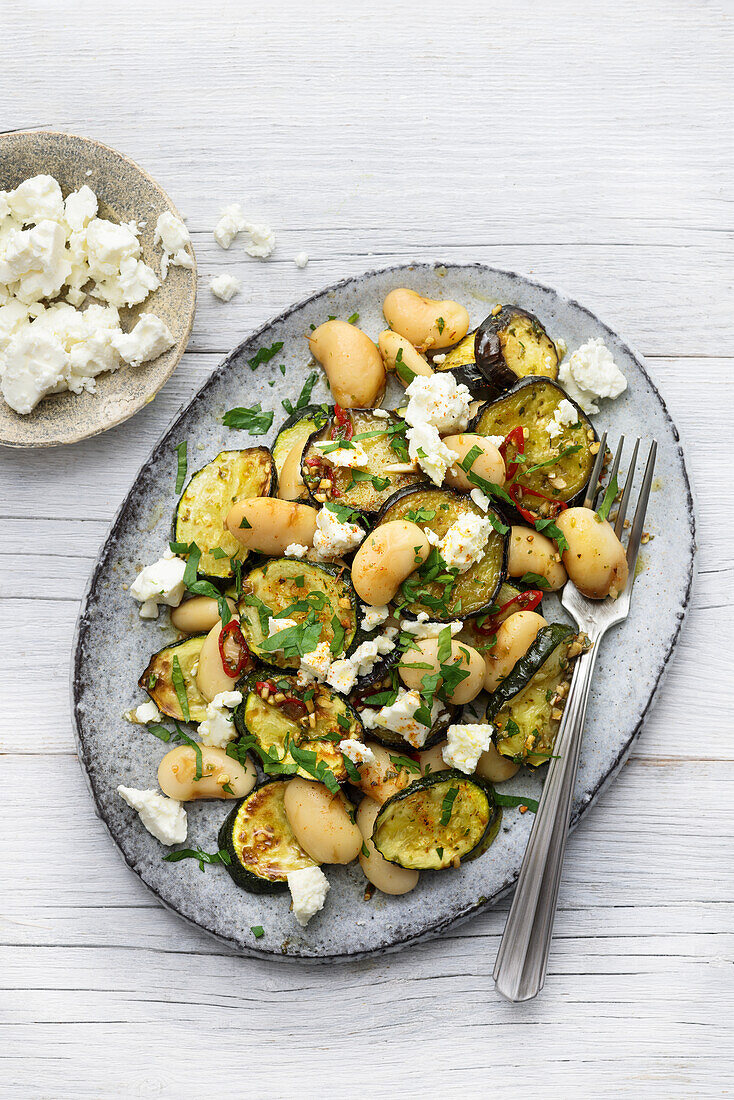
(113, 643)
(126, 193)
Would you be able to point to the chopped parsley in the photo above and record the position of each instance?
(179, 686)
(258, 931)
(512, 800)
(447, 806)
(304, 396)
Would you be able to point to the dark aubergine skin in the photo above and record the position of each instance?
(488, 353)
(519, 385)
(475, 381)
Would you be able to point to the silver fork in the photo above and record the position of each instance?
(519, 971)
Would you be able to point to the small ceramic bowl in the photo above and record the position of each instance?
(125, 193)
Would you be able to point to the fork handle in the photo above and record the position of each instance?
(522, 959)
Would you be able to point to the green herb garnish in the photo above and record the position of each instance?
(447, 806)
(252, 420)
(182, 466)
(199, 854)
(179, 687)
(611, 492)
(264, 355)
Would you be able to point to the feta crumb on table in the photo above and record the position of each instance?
(173, 236)
(309, 887)
(300, 259)
(224, 286)
(164, 818)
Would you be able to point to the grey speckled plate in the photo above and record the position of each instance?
(126, 193)
(113, 643)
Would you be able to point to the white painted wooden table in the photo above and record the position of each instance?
(586, 144)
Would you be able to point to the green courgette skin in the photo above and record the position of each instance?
(284, 440)
(283, 568)
(163, 692)
(245, 878)
(476, 846)
(185, 525)
(546, 640)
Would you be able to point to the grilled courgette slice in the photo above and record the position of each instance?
(367, 487)
(512, 344)
(319, 595)
(296, 430)
(276, 712)
(261, 846)
(209, 496)
(158, 679)
(436, 821)
(522, 708)
(470, 592)
(532, 405)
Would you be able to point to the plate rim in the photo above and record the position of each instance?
(183, 341)
(483, 904)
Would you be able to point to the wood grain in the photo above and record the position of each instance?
(588, 146)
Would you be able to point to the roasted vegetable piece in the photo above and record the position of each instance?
(368, 486)
(437, 821)
(261, 846)
(159, 679)
(472, 591)
(532, 405)
(209, 496)
(275, 711)
(512, 344)
(305, 592)
(296, 430)
(527, 706)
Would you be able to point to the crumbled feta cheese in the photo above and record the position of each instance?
(591, 373)
(422, 628)
(381, 414)
(231, 222)
(309, 887)
(334, 538)
(369, 717)
(164, 818)
(262, 241)
(34, 365)
(438, 400)
(107, 245)
(564, 415)
(300, 259)
(173, 236)
(498, 440)
(426, 447)
(464, 542)
(149, 339)
(277, 626)
(79, 208)
(433, 538)
(218, 728)
(141, 715)
(465, 744)
(36, 198)
(439, 358)
(400, 717)
(224, 286)
(357, 752)
(480, 499)
(351, 457)
(13, 315)
(160, 583)
(366, 655)
(342, 675)
(296, 550)
(315, 665)
(374, 616)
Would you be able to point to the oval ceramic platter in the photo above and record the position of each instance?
(126, 193)
(113, 644)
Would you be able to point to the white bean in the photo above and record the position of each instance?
(352, 364)
(321, 822)
(387, 877)
(386, 557)
(271, 525)
(177, 771)
(595, 559)
(426, 322)
(531, 552)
